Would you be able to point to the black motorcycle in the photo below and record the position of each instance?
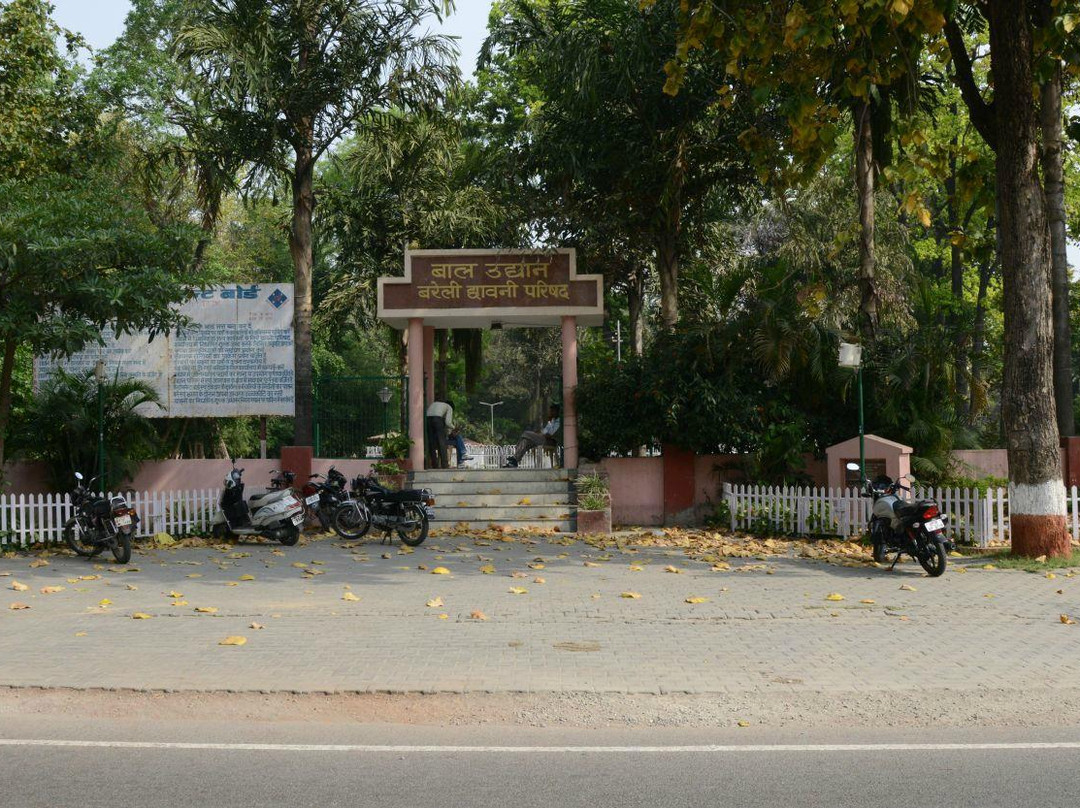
(322, 499)
(406, 513)
(100, 523)
(898, 526)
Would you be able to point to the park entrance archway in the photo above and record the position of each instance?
(489, 289)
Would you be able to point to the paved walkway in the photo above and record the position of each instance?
(766, 624)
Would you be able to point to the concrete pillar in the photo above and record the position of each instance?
(569, 389)
(429, 365)
(416, 391)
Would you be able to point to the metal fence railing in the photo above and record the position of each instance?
(353, 412)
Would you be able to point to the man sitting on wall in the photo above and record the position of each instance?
(530, 440)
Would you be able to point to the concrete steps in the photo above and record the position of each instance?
(514, 498)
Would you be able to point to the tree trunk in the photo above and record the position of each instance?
(956, 266)
(1054, 188)
(301, 251)
(635, 301)
(667, 267)
(978, 342)
(1037, 500)
(6, 370)
(864, 183)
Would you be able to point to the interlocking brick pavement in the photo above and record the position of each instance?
(767, 629)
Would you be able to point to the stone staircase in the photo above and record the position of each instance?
(517, 498)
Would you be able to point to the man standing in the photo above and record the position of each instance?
(529, 439)
(440, 426)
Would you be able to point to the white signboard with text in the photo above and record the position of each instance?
(235, 359)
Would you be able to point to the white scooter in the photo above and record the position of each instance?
(275, 514)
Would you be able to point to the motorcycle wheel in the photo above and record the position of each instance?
(351, 521)
(291, 537)
(73, 537)
(934, 560)
(324, 523)
(881, 552)
(415, 534)
(121, 549)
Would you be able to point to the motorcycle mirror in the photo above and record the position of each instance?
(78, 475)
(852, 466)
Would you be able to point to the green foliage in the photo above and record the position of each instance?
(60, 427)
(593, 492)
(396, 446)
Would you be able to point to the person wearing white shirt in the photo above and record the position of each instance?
(530, 439)
(440, 426)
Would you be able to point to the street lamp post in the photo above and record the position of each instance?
(491, 408)
(384, 397)
(99, 374)
(851, 358)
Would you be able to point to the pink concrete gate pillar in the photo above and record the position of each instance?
(429, 365)
(569, 388)
(416, 391)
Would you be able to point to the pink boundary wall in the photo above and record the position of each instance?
(182, 475)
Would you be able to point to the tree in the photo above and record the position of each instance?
(78, 251)
(817, 59)
(1011, 126)
(60, 427)
(600, 139)
(294, 77)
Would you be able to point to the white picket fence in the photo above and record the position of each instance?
(974, 517)
(493, 456)
(35, 518)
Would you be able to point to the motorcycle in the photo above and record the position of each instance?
(100, 523)
(275, 514)
(323, 499)
(916, 528)
(406, 513)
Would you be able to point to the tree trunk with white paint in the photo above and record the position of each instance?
(1037, 502)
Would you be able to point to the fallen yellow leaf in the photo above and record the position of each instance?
(40, 562)
(488, 569)
(234, 640)
(629, 595)
(175, 594)
(435, 603)
(539, 581)
(989, 567)
(636, 568)
(697, 599)
(350, 597)
(834, 596)
(478, 615)
(80, 633)
(51, 590)
(907, 587)
(195, 575)
(591, 564)
(1066, 620)
(231, 583)
(18, 606)
(18, 587)
(1051, 576)
(868, 601)
(206, 609)
(440, 571)
(179, 603)
(1041, 559)
(536, 566)
(104, 602)
(518, 590)
(257, 626)
(444, 617)
(744, 724)
(246, 578)
(140, 616)
(670, 568)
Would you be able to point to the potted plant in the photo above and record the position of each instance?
(391, 469)
(594, 505)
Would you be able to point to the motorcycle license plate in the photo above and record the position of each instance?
(298, 519)
(429, 511)
(123, 520)
(312, 500)
(933, 525)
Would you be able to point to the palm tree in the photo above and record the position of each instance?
(60, 426)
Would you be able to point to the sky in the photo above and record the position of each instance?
(102, 21)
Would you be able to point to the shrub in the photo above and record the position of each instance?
(593, 492)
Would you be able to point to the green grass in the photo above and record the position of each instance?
(1003, 559)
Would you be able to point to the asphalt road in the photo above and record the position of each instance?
(151, 764)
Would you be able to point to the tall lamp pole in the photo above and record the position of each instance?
(491, 409)
(384, 397)
(99, 374)
(851, 358)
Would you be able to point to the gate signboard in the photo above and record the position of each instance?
(235, 359)
(477, 288)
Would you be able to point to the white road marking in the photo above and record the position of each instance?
(652, 750)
